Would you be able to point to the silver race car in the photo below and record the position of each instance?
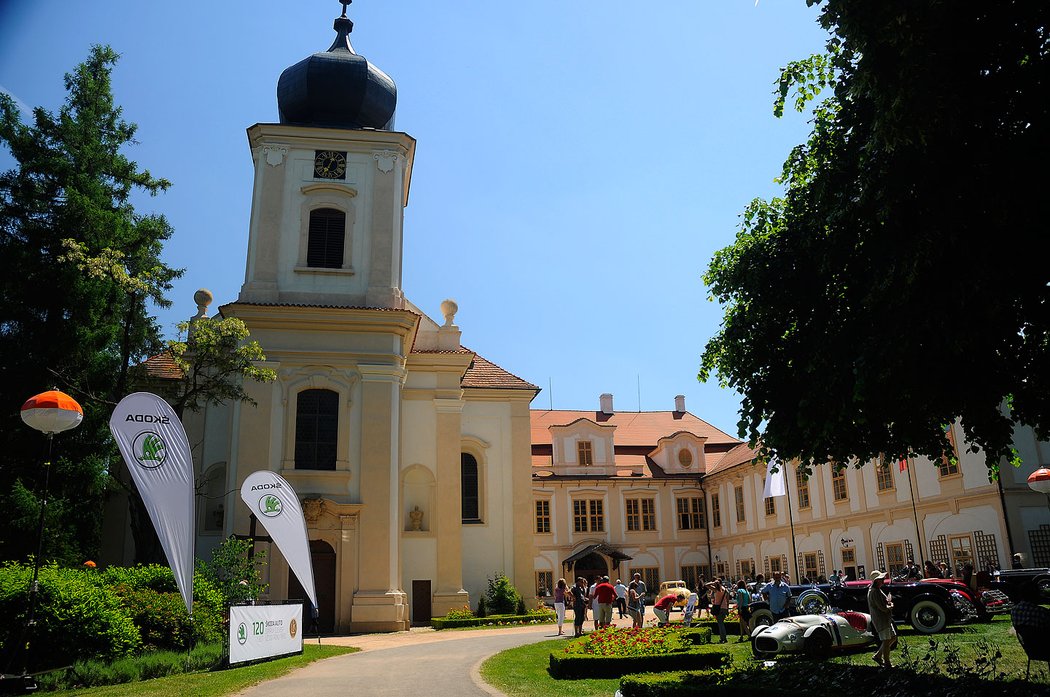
(814, 635)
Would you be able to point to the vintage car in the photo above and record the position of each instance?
(813, 635)
(985, 603)
(927, 607)
(678, 587)
(1013, 581)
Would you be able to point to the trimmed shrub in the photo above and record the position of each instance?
(691, 684)
(483, 609)
(657, 651)
(75, 617)
(532, 617)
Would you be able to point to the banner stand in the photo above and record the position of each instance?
(262, 631)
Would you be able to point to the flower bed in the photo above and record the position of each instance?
(612, 653)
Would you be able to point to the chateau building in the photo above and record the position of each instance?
(669, 496)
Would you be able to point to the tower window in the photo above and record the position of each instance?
(316, 429)
(327, 237)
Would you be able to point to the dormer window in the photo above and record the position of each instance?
(585, 453)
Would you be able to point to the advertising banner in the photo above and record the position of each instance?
(275, 504)
(154, 445)
(263, 631)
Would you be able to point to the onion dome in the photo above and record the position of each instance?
(337, 88)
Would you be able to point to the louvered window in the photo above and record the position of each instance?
(327, 236)
(316, 429)
(469, 486)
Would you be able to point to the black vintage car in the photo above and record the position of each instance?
(927, 607)
(1013, 581)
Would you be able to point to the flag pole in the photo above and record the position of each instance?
(791, 524)
(915, 514)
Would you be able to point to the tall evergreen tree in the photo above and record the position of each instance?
(79, 269)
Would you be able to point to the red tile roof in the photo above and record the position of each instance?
(633, 428)
(738, 455)
(162, 367)
(483, 373)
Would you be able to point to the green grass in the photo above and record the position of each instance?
(212, 684)
(522, 671)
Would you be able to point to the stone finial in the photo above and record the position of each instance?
(449, 308)
(203, 298)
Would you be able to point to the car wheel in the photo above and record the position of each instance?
(1043, 584)
(812, 602)
(818, 644)
(927, 617)
(761, 618)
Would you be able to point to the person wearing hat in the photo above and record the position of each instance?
(880, 607)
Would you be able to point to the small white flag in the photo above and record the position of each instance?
(776, 484)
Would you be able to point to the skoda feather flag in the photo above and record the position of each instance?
(275, 504)
(154, 445)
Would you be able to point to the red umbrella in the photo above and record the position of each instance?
(52, 412)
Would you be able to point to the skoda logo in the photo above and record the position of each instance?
(242, 634)
(150, 450)
(270, 506)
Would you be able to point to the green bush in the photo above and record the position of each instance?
(690, 684)
(483, 609)
(152, 599)
(502, 596)
(76, 618)
(237, 576)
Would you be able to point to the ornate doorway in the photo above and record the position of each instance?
(323, 557)
(590, 566)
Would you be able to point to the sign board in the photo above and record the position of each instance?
(264, 631)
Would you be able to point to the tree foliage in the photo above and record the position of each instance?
(901, 281)
(68, 319)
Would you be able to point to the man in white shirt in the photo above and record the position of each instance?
(621, 598)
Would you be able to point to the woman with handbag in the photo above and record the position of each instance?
(719, 606)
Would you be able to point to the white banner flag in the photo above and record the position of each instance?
(154, 445)
(776, 483)
(274, 503)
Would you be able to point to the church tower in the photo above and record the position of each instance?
(331, 184)
(410, 453)
(322, 294)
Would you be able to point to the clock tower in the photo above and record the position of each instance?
(331, 183)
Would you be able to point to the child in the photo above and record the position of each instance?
(690, 608)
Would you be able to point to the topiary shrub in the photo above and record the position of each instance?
(76, 618)
(483, 610)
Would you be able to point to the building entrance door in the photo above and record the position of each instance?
(421, 603)
(323, 557)
(590, 566)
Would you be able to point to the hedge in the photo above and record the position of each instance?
(691, 684)
(495, 620)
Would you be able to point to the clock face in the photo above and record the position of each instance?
(329, 164)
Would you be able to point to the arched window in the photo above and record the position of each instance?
(327, 235)
(469, 484)
(316, 429)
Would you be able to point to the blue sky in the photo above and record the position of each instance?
(578, 163)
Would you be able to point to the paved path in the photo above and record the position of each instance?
(421, 661)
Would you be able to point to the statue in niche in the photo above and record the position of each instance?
(416, 516)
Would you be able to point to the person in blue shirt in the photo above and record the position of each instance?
(778, 593)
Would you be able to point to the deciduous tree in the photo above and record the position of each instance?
(901, 282)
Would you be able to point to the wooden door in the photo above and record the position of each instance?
(421, 603)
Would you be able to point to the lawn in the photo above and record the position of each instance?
(213, 684)
(522, 671)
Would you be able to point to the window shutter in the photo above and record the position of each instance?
(326, 238)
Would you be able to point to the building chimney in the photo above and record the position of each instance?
(606, 402)
(679, 403)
